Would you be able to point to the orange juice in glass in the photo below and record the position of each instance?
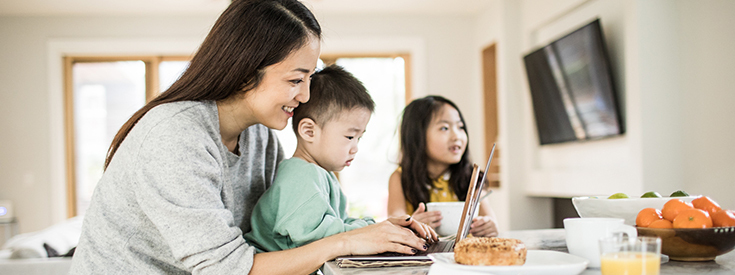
(630, 263)
(620, 255)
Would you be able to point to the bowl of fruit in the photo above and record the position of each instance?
(699, 230)
(620, 205)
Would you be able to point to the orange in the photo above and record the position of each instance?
(647, 216)
(693, 218)
(672, 208)
(706, 204)
(723, 218)
(661, 224)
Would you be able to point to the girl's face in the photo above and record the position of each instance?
(335, 145)
(283, 87)
(446, 139)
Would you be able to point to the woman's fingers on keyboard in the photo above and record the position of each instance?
(427, 233)
(407, 237)
(404, 231)
(423, 230)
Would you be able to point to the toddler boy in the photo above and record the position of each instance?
(305, 202)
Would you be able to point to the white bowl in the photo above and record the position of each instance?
(588, 207)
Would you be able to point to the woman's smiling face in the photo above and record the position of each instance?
(284, 86)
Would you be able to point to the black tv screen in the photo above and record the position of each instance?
(572, 88)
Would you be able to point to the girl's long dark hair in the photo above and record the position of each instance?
(415, 178)
(249, 36)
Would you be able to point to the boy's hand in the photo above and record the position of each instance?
(432, 218)
(421, 229)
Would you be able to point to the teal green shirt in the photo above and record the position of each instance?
(304, 204)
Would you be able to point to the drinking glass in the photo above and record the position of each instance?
(620, 255)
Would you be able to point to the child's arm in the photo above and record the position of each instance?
(396, 200)
(312, 220)
(397, 204)
(485, 223)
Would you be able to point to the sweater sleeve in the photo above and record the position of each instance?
(179, 181)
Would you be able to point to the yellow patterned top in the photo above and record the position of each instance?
(440, 192)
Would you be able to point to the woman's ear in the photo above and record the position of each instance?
(307, 129)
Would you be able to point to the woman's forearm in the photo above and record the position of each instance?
(387, 236)
(301, 260)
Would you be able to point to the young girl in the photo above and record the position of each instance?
(435, 165)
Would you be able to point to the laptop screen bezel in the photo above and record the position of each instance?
(464, 223)
(473, 196)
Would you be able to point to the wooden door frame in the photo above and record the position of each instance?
(490, 107)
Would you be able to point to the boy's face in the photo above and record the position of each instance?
(335, 145)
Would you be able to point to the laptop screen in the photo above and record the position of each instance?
(473, 197)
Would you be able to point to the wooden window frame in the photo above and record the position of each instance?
(332, 58)
(152, 64)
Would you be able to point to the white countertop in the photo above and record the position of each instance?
(552, 239)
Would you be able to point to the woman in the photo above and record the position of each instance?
(183, 174)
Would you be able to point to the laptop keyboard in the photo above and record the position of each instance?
(441, 246)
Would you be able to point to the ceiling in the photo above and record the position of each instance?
(205, 7)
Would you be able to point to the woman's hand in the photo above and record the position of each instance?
(432, 218)
(483, 226)
(422, 230)
(393, 235)
(388, 236)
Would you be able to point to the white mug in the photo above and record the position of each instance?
(451, 214)
(584, 234)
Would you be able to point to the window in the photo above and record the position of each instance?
(101, 94)
(365, 182)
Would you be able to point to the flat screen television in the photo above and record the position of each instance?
(572, 88)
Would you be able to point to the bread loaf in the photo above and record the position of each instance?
(490, 251)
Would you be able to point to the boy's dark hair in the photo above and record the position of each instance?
(415, 179)
(333, 90)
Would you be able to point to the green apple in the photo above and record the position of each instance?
(618, 196)
(651, 194)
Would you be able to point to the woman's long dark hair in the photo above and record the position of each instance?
(415, 178)
(249, 36)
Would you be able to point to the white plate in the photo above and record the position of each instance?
(546, 262)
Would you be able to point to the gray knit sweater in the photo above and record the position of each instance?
(174, 200)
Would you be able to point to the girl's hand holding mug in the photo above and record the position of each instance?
(483, 226)
(431, 218)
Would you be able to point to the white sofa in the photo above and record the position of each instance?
(25, 254)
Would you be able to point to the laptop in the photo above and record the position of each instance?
(444, 244)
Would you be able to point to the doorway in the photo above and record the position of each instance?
(490, 105)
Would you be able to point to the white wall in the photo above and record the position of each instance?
(671, 60)
(707, 40)
(580, 168)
